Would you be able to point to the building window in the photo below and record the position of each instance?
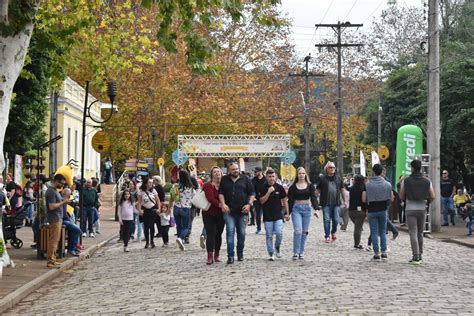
(68, 143)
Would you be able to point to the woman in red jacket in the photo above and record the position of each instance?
(213, 218)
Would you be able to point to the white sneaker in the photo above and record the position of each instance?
(180, 243)
(368, 248)
(271, 257)
(91, 235)
(84, 235)
(125, 249)
(202, 242)
(278, 254)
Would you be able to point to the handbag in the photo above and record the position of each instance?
(200, 201)
(172, 222)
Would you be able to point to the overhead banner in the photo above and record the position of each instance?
(409, 144)
(237, 146)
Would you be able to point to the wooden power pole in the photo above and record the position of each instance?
(338, 29)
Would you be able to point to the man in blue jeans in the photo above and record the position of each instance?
(73, 231)
(448, 190)
(273, 200)
(331, 190)
(236, 196)
(378, 196)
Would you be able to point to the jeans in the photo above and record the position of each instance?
(469, 224)
(235, 222)
(258, 215)
(73, 232)
(378, 225)
(391, 227)
(181, 216)
(301, 218)
(214, 226)
(344, 216)
(330, 214)
(447, 205)
(31, 212)
(192, 215)
(139, 226)
(271, 228)
(90, 213)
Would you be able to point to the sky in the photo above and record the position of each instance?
(306, 13)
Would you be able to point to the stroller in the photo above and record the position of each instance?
(13, 221)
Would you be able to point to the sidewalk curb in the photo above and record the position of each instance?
(449, 240)
(19, 294)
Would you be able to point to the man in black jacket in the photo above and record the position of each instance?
(258, 182)
(330, 189)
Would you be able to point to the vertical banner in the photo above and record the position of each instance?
(18, 176)
(162, 173)
(363, 171)
(375, 158)
(409, 144)
(242, 164)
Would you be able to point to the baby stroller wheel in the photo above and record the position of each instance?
(16, 243)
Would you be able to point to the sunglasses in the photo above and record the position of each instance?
(331, 167)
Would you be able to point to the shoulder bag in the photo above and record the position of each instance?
(200, 201)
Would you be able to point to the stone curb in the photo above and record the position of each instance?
(19, 294)
(449, 240)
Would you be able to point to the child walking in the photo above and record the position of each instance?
(165, 216)
(125, 214)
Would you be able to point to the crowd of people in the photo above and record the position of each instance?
(236, 201)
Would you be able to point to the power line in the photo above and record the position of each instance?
(373, 12)
(350, 10)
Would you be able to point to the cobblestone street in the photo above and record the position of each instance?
(333, 278)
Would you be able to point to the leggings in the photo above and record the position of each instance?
(163, 230)
(125, 230)
(149, 217)
(214, 226)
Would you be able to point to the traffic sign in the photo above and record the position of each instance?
(383, 152)
(292, 156)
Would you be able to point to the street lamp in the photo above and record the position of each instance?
(111, 92)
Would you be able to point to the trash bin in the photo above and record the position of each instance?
(42, 245)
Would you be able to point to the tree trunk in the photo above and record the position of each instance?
(13, 51)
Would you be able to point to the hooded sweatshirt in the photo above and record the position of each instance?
(379, 194)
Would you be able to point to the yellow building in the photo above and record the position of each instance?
(70, 111)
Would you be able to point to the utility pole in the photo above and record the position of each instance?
(306, 104)
(379, 124)
(338, 29)
(53, 132)
(433, 124)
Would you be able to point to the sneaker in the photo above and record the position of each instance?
(368, 248)
(166, 245)
(295, 256)
(230, 260)
(80, 247)
(91, 235)
(445, 224)
(415, 260)
(395, 235)
(359, 247)
(376, 258)
(132, 238)
(74, 253)
(180, 243)
(186, 240)
(301, 256)
(125, 249)
(258, 231)
(146, 245)
(240, 258)
(84, 235)
(153, 245)
(271, 257)
(97, 232)
(384, 257)
(333, 237)
(278, 253)
(327, 240)
(202, 242)
(34, 245)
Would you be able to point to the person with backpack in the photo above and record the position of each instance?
(108, 170)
